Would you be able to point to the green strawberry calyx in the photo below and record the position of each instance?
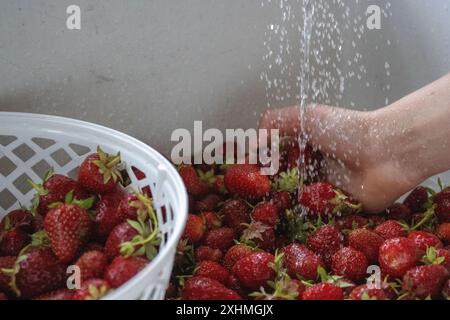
(288, 181)
(109, 166)
(431, 257)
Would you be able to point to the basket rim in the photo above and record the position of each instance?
(172, 173)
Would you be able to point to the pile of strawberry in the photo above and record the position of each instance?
(250, 236)
(80, 239)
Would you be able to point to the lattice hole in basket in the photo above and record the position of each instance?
(6, 140)
(41, 168)
(24, 152)
(7, 199)
(43, 143)
(73, 173)
(61, 157)
(22, 184)
(6, 166)
(79, 149)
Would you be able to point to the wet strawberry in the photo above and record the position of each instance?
(17, 219)
(300, 261)
(443, 232)
(363, 292)
(323, 199)
(416, 199)
(194, 185)
(61, 294)
(221, 238)
(204, 253)
(123, 269)
(92, 264)
(236, 253)
(444, 254)
(128, 206)
(423, 281)
(212, 220)
(120, 234)
(325, 241)
(246, 181)
(235, 213)
(397, 256)
(92, 289)
(208, 203)
(201, 288)
(194, 229)
(366, 241)
(107, 215)
(260, 235)
(442, 201)
(6, 262)
(391, 229)
(282, 200)
(399, 211)
(68, 227)
(266, 213)
(323, 291)
(350, 263)
(3, 296)
(351, 222)
(254, 270)
(212, 270)
(100, 172)
(423, 240)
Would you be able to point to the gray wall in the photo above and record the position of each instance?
(149, 67)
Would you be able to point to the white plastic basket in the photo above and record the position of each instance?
(31, 143)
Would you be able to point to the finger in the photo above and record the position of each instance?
(285, 119)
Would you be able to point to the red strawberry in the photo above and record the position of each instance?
(445, 256)
(212, 270)
(443, 232)
(323, 199)
(201, 288)
(221, 238)
(128, 206)
(107, 215)
(398, 255)
(54, 189)
(93, 246)
(282, 200)
(261, 235)
(267, 213)
(212, 220)
(416, 199)
(363, 292)
(235, 213)
(246, 181)
(100, 172)
(254, 270)
(6, 263)
(68, 227)
(204, 253)
(351, 222)
(236, 253)
(121, 233)
(391, 229)
(92, 289)
(300, 261)
(123, 269)
(219, 185)
(194, 229)
(209, 203)
(325, 241)
(399, 211)
(194, 185)
(3, 296)
(350, 263)
(92, 264)
(61, 294)
(13, 241)
(442, 201)
(423, 240)
(323, 291)
(366, 241)
(423, 281)
(446, 290)
(36, 272)
(17, 219)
